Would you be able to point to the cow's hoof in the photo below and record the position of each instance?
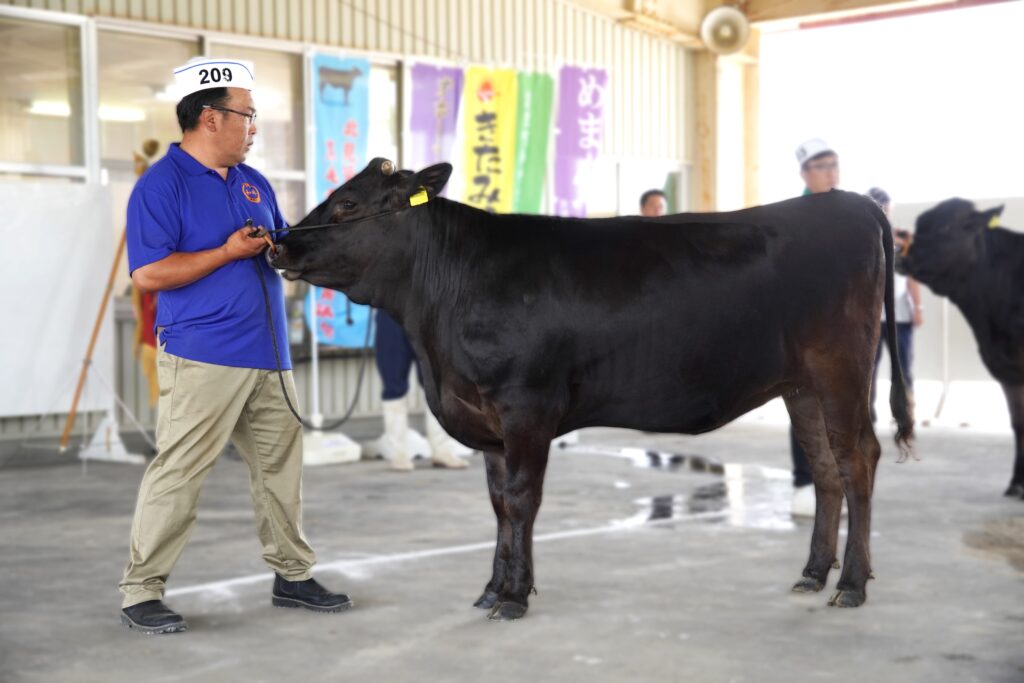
(487, 600)
(507, 611)
(1015, 491)
(808, 584)
(847, 598)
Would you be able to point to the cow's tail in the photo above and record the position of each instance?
(899, 402)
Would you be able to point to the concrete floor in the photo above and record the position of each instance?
(699, 594)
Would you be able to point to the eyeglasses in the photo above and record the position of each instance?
(250, 119)
(823, 166)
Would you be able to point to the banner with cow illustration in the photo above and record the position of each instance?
(341, 110)
(434, 114)
(533, 130)
(489, 133)
(579, 131)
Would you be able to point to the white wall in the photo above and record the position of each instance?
(926, 106)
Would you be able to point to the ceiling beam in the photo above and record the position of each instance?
(775, 10)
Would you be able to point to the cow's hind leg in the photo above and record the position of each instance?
(1015, 402)
(809, 426)
(526, 453)
(494, 463)
(856, 452)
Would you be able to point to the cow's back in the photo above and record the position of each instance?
(676, 324)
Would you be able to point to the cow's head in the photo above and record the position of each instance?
(370, 219)
(946, 244)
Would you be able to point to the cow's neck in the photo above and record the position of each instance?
(988, 298)
(433, 282)
(424, 262)
(445, 236)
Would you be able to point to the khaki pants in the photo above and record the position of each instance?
(202, 406)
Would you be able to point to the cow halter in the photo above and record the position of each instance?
(421, 197)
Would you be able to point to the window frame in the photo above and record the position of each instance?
(89, 169)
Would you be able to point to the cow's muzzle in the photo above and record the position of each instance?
(274, 258)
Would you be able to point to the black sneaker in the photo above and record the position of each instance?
(308, 594)
(153, 616)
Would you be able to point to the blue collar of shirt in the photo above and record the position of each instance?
(189, 163)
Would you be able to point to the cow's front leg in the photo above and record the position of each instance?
(526, 453)
(1015, 402)
(494, 463)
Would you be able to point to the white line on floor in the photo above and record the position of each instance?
(345, 566)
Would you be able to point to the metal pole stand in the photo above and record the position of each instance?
(319, 447)
(328, 448)
(106, 444)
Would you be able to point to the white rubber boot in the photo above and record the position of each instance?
(442, 446)
(805, 502)
(394, 442)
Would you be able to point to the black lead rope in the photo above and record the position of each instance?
(277, 358)
(321, 226)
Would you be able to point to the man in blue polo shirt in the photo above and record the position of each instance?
(216, 361)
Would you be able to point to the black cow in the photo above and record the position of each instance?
(528, 327)
(958, 253)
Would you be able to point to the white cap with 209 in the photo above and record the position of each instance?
(202, 73)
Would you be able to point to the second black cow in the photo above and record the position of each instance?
(961, 253)
(528, 327)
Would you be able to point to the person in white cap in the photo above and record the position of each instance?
(191, 219)
(819, 169)
(819, 166)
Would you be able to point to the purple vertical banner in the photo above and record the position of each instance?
(434, 113)
(581, 102)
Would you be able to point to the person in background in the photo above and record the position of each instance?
(819, 169)
(395, 359)
(653, 203)
(909, 311)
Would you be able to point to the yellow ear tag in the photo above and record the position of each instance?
(993, 222)
(419, 198)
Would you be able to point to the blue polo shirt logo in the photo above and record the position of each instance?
(251, 193)
(180, 205)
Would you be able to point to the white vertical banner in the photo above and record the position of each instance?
(59, 249)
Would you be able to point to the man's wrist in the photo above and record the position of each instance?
(224, 254)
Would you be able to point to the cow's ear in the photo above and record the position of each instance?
(432, 179)
(990, 218)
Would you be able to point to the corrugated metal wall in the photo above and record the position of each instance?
(647, 113)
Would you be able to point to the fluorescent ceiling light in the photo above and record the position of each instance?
(122, 114)
(106, 112)
(171, 93)
(49, 108)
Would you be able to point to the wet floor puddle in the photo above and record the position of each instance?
(748, 496)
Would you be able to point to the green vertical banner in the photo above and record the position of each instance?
(533, 130)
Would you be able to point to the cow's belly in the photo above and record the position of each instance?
(672, 405)
(692, 381)
(684, 375)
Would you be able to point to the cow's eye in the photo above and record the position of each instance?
(348, 205)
